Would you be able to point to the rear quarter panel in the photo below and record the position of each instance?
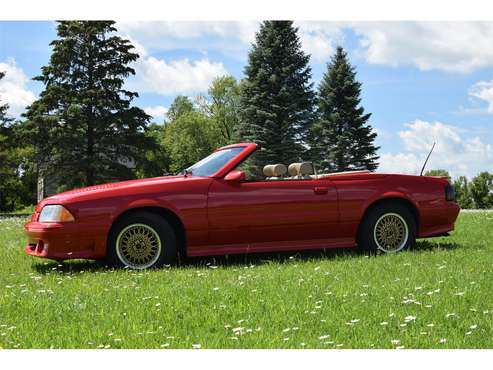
(358, 192)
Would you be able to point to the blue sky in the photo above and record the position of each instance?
(422, 81)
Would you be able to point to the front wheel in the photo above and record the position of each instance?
(141, 240)
(388, 228)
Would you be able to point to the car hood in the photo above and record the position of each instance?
(110, 189)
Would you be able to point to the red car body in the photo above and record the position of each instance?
(213, 216)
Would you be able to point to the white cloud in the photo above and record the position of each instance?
(317, 38)
(483, 90)
(449, 46)
(13, 88)
(138, 47)
(454, 152)
(157, 112)
(167, 35)
(175, 77)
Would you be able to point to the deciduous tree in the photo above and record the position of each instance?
(482, 190)
(463, 192)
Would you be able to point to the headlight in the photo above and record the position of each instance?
(55, 213)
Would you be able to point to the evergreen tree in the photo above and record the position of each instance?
(83, 125)
(341, 139)
(276, 96)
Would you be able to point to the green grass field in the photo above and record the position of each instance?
(439, 295)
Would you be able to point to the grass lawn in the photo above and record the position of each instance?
(439, 295)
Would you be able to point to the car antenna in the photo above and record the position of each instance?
(428, 157)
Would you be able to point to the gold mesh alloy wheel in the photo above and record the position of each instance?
(391, 233)
(138, 246)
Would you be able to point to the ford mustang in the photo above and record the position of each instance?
(227, 203)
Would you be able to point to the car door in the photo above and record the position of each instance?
(273, 211)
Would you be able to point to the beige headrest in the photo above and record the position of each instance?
(300, 169)
(274, 170)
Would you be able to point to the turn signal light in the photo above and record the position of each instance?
(55, 213)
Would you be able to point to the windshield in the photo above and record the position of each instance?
(214, 162)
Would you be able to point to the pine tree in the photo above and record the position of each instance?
(276, 96)
(83, 125)
(341, 139)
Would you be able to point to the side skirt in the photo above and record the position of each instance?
(283, 246)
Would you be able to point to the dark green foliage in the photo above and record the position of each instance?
(438, 172)
(83, 125)
(341, 139)
(463, 192)
(155, 161)
(276, 96)
(482, 190)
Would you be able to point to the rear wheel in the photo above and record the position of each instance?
(141, 240)
(388, 228)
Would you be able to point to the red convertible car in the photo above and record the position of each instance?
(225, 204)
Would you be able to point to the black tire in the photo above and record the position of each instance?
(167, 237)
(366, 235)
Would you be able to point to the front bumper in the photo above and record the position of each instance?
(60, 241)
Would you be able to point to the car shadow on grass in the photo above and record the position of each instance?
(81, 266)
(427, 245)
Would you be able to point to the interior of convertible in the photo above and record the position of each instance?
(279, 171)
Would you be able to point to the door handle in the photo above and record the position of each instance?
(320, 190)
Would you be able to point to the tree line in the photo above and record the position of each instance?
(84, 129)
(475, 193)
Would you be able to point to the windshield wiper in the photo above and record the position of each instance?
(186, 172)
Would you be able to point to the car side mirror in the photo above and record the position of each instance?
(235, 176)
